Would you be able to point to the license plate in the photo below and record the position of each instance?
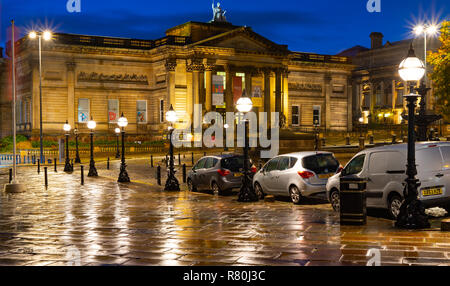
(432, 192)
(238, 174)
(325, 176)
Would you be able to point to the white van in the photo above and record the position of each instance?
(385, 171)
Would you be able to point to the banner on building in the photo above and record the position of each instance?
(217, 91)
(257, 92)
(237, 88)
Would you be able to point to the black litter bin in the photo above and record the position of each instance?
(353, 201)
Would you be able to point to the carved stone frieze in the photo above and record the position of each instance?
(118, 78)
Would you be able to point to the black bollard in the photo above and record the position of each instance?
(107, 164)
(204, 154)
(158, 175)
(179, 159)
(184, 173)
(192, 158)
(82, 175)
(45, 177)
(10, 176)
(167, 162)
(151, 161)
(55, 167)
(39, 166)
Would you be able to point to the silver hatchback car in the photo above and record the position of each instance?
(296, 175)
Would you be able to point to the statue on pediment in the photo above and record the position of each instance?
(218, 13)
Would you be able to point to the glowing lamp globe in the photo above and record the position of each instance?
(411, 68)
(47, 35)
(226, 126)
(171, 115)
(123, 121)
(32, 35)
(117, 130)
(244, 104)
(91, 124)
(361, 120)
(67, 127)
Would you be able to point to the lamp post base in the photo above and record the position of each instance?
(68, 168)
(247, 193)
(412, 215)
(172, 183)
(123, 176)
(92, 170)
(77, 160)
(14, 188)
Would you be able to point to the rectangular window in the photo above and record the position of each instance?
(295, 115)
(161, 111)
(141, 111)
(83, 110)
(113, 110)
(400, 93)
(378, 97)
(316, 115)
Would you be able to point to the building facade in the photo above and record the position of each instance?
(378, 89)
(196, 63)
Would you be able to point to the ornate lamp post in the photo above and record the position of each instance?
(226, 126)
(92, 170)
(361, 122)
(123, 176)
(68, 168)
(412, 213)
(47, 36)
(117, 130)
(247, 193)
(172, 182)
(77, 153)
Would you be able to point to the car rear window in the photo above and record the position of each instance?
(321, 163)
(234, 164)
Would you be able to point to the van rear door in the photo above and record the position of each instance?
(429, 169)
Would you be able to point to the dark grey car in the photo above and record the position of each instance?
(221, 173)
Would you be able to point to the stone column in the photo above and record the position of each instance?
(372, 101)
(248, 82)
(328, 92)
(394, 95)
(189, 92)
(267, 95)
(171, 65)
(71, 93)
(348, 91)
(35, 95)
(383, 95)
(208, 86)
(285, 102)
(278, 91)
(229, 90)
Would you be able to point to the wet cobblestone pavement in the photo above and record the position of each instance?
(106, 223)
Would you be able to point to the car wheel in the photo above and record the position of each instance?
(335, 200)
(191, 186)
(395, 203)
(296, 196)
(259, 191)
(216, 189)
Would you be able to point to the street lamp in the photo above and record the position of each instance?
(361, 122)
(226, 126)
(123, 176)
(117, 130)
(412, 213)
(77, 153)
(426, 30)
(47, 36)
(172, 182)
(68, 168)
(92, 170)
(246, 193)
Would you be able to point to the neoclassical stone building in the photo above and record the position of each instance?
(378, 89)
(208, 63)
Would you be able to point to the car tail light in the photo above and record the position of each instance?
(339, 169)
(253, 169)
(306, 174)
(432, 146)
(223, 173)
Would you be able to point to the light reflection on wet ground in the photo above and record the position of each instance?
(106, 223)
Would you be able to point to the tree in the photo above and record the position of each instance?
(440, 60)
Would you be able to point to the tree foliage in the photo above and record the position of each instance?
(440, 60)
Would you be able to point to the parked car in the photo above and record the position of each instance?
(385, 169)
(221, 173)
(296, 175)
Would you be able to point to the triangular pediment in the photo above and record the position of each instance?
(243, 39)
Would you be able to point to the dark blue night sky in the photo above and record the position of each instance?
(320, 26)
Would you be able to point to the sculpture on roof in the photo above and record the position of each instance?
(218, 13)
